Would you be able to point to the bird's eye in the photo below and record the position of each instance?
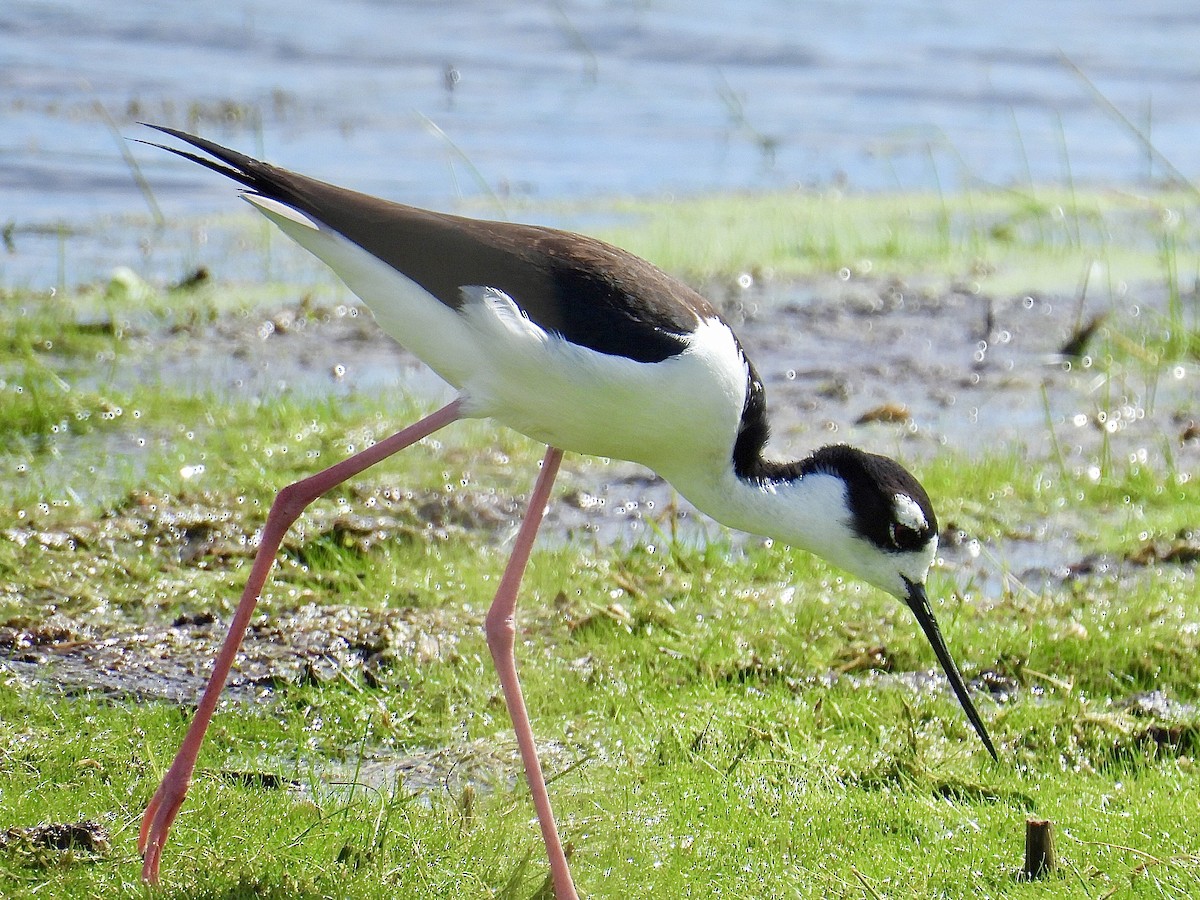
(905, 538)
(908, 525)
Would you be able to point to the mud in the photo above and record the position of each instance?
(201, 528)
(51, 843)
(171, 662)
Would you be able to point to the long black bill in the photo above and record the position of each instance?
(918, 602)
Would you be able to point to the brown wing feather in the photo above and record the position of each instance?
(592, 293)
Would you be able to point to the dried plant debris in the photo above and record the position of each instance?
(1183, 549)
(1147, 723)
(206, 530)
(313, 644)
(56, 843)
(204, 527)
(886, 412)
(1076, 345)
(259, 780)
(865, 659)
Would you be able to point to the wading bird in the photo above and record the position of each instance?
(587, 349)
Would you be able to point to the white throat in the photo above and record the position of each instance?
(810, 513)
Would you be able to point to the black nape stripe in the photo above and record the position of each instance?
(753, 430)
(872, 481)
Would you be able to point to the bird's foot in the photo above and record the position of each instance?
(158, 818)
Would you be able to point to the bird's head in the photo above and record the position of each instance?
(889, 538)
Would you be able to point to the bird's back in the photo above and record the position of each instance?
(563, 337)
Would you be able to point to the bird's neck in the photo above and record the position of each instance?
(783, 501)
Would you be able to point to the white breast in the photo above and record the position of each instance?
(685, 409)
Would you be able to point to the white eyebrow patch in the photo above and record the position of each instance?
(908, 513)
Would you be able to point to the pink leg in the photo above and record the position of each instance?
(501, 630)
(288, 505)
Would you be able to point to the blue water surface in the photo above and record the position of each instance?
(429, 102)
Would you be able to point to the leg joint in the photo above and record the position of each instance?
(500, 628)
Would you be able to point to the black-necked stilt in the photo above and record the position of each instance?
(587, 348)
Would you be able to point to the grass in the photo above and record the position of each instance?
(698, 738)
(1003, 241)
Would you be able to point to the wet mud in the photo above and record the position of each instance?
(54, 844)
(314, 644)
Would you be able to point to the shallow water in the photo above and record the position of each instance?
(566, 100)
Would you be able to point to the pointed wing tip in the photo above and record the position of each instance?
(237, 166)
(166, 129)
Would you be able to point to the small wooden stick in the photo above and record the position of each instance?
(1039, 849)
